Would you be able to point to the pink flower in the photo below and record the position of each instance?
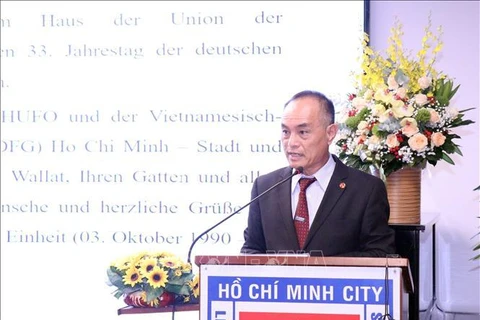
(438, 139)
(421, 99)
(418, 142)
(374, 140)
(434, 116)
(361, 139)
(425, 82)
(409, 126)
(452, 112)
(359, 103)
(392, 141)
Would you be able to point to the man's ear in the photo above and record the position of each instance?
(332, 130)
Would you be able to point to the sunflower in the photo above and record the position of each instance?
(171, 262)
(157, 278)
(138, 258)
(194, 285)
(132, 277)
(122, 264)
(178, 273)
(147, 265)
(186, 267)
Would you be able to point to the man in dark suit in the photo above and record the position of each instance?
(348, 209)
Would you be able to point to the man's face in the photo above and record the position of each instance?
(305, 135)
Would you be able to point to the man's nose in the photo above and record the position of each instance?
(293, 140)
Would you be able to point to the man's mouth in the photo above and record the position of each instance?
(294, 155)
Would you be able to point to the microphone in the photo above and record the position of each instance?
(297, 171)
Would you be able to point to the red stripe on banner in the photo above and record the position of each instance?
(296, 316)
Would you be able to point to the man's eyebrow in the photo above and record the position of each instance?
(301, 125)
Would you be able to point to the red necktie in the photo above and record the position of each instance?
(301, 220)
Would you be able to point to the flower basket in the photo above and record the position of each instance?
(404, 195)
(153, 280)
(400, 117)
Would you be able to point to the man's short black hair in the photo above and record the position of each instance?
(326, 103)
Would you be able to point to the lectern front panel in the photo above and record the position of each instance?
(254, 292)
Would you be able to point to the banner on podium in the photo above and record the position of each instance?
(254, 292)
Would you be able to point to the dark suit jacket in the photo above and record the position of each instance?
(351, 221)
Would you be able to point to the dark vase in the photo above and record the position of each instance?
(136, 299)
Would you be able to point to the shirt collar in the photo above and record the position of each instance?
(323, 175)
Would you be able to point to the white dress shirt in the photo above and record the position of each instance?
(315, 191)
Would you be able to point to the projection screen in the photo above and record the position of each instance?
(131, 126)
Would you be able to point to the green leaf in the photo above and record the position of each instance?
(178, 289)
(446, 90)
(154, 293)
(465, 110)
(185, 290)
(130, 289)
(451, 136)
(115, 278)
(447, 158)
(449, 88)
(448, 147)
(457, 150)
(432, 160)
(440, 88)
(180, 280)
(452, 93)
(389, 157)
(459, 122)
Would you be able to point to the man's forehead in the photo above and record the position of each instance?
(300, 114)
(292, 117)
(293, 120)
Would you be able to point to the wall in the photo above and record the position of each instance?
(446, 189)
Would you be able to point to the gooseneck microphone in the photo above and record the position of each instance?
(297, 171)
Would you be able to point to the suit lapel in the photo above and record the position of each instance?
(334, 191)
(284, 208)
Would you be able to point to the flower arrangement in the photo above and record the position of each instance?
(400, 115)
(153, 280)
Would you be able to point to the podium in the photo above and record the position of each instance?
(251, 287)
